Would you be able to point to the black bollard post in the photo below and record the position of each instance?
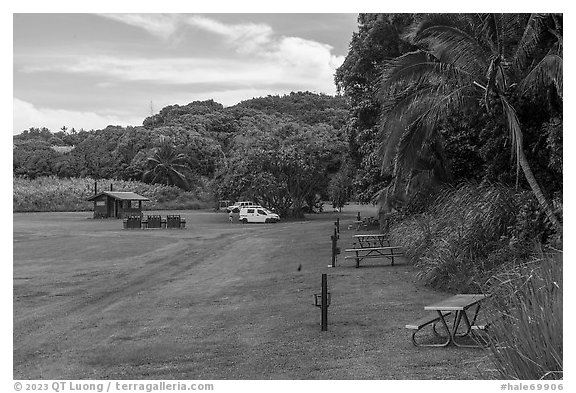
(334, 239)
(324, 305)
(358, 217)
(338, 224)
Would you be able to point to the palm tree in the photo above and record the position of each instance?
(468, 60)
(167, 166)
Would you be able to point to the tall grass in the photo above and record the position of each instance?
(46, 194)
(527, 341)
(459, 239)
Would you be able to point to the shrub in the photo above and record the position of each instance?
(527, 342)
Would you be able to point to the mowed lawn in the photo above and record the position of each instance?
(217, 300)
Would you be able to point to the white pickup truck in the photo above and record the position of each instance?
(235, 208)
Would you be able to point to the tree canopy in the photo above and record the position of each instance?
(447, 95)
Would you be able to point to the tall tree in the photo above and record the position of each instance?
(378, 40)
(280, 163)
(463, 60)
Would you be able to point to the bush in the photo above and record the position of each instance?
(463, 235)
(451, 241)
(527, 342)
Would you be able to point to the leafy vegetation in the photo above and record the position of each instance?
(464, 235)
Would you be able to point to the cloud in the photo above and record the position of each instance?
(162, 25)
(27, 115)
(247, 38)
(302, 69)
(260, 40)
(255, 62)
(175, 71)
(259, 57)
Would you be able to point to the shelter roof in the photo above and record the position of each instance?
(121, 195)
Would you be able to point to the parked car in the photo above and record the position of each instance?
(257, 214)
(235, 208)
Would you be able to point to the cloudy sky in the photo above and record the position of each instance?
(91, 70)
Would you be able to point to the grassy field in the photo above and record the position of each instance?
(214, 301)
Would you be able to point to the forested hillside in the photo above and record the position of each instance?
(254, 150)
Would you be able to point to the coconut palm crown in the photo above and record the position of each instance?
(167, 166)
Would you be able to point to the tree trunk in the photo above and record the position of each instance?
(537, 191)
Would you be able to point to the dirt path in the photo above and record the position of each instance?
(214, 301)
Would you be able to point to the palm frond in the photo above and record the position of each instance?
(425, 21)
(548, 71)
(452, 45)
(427, 114)
(416, 90)
(398, 113)
(178, 178)
(529, 41)
(418, 68)
(515, 130)
(491, 30)
(512, 27)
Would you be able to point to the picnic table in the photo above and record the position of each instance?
(373, 246)
(458, 307)
(366, 223)
(373, 240)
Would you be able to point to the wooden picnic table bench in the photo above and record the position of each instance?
(366, 223)
(458, 305)
(361, 253)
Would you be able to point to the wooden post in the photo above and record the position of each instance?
(338, 224)
(334, 239)
(112, 190)
(95, 188)
(358, 217)
(324, 305)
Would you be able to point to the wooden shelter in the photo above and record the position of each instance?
(117, 204)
